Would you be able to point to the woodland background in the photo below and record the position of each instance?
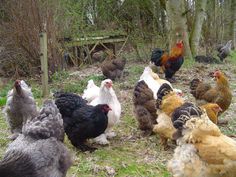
(202, 24)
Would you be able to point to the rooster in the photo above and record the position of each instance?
(91, 92)
(224, 51)
(20, 107)
(170, 63)
(220, 94)
(81, 121)
(108, 96)
(113, 69)
(38, 151)
(202, 149)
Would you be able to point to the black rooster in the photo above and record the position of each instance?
(81, 121)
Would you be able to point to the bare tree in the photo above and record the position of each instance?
(197, 26)
(177, 24)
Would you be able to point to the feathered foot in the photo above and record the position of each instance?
(102, 140)
(110, 135)
(222, 122)
(164, 143)
(147, 133)
(13, 136)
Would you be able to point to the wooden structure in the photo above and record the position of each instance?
(44, 62)
(85, 47)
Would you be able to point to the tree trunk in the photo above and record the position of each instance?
(197, 27)
(233, 23)
(176, 14)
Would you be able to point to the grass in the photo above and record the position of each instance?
(129, 154)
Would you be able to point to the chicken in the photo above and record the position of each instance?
(154, 82)
(108, 96)
(91, 92)
(224, 51)
(113, 69)
(202, 149)
(81, 121)
(170, 63)
(206, 59)
(167, 102)
(144, 107)
(220, 94)
(38, 151)
(212, 110)
(20, 107)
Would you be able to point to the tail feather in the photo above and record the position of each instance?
(184, 113)
(163, 90)
(156, 56)
(142, 93)
(48, 124)
(67, 102)
(193, 86)
(17, 164)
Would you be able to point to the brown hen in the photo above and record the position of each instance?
(113, 69)
(220, 94)
(144, 107)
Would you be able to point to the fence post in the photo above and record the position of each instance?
(44, 62)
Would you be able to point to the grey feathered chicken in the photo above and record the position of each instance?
(20, 107)
(224, 50)
(113, 69)
(38, 151)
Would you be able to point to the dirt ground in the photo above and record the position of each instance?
(130, 154)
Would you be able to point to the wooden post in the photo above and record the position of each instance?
(44, 62)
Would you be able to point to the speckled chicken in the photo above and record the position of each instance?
(113, 69)
(38, 151)
(167, 102)
(20, 107)
(202, 149)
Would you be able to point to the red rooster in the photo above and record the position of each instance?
(170, 63)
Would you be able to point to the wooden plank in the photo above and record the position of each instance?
(44, 62)
(89, 42)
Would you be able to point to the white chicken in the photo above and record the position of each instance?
(20, 107)
(108, 96)
(154, 82)
(91, 92)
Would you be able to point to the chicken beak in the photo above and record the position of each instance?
(180, 94)
(220, 109)
(109, 109)
(109, 84)
(17, 86)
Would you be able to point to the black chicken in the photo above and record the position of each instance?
(81, 121)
